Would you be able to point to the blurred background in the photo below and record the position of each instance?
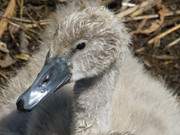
(153, 24)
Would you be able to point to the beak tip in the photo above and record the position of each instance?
(20, 105)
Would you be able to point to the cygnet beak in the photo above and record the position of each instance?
(53, 76)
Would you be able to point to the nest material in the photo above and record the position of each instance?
(154, 26)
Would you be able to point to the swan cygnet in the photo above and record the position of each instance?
(113, 93)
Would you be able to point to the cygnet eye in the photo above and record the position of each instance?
(81, 46)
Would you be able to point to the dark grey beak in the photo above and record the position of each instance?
(53, 76)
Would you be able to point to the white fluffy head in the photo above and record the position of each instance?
(103, 37)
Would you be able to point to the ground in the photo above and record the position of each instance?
(154, 26)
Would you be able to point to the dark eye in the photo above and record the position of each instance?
(81, 46)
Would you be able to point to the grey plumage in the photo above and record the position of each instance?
(53, 116)
(113, 93)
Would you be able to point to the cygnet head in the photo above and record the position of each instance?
(83, 44)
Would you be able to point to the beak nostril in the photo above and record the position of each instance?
(46, 79)
(20, 105)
